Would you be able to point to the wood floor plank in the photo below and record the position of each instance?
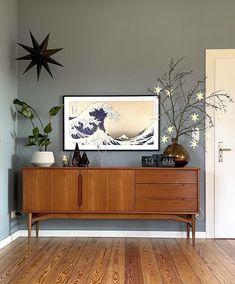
(64, 244)
(221, 255)
(202, 270)
(83, 266)
(55, 269)
(226, 247)
(151, 273)
(166, 266)
(215, 264)
(133, 273)
(12, 246)
(100, 264)
(118, 261)
(66, 266)
(18, 251)
(40, 261)
(116, 268)
(27, 275)
(185, 270)
(15, 262)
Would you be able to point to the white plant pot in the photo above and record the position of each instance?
(42, 159)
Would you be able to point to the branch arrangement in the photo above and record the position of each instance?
(184, 108)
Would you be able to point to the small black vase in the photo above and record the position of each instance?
(178, 152)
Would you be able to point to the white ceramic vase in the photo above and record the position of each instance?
(42, 159)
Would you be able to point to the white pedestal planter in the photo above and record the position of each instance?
(42, 159)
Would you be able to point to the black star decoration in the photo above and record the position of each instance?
(39, 55)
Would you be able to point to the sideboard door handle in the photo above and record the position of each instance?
(80, 190)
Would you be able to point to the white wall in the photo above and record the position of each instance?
(8, 126)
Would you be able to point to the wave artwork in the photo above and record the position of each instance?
(110, 124)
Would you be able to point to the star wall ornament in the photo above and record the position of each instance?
(164, 139)
(200, 96)
(39, 55)
(170, 129)
(194, 144)
(157, 90)
(194, 117)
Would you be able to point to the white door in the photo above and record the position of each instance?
(221, 76)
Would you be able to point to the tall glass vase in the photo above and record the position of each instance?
(178, 152)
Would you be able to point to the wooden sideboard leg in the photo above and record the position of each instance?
(193, 227)
(188, 227)
(29, 226)
(37, 229)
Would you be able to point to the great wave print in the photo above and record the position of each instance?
(112, 125)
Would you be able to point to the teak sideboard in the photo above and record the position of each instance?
(111, 193)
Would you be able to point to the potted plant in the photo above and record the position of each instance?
(40, 136)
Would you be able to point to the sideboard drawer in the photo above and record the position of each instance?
(153, 204)
(166, 190)
(166, 176)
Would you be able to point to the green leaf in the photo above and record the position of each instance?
(20, 103)
(31, 141)
(53, 111)
(17, 102)
(35, 132)
(45, 141)
(48, 128)
(26, 112)
(41, 141)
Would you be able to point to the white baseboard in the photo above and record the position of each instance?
(99, 233)
(109, 233)
(9, 239)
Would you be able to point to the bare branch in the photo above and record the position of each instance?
(178, 103)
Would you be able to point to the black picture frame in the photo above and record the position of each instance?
(104, 122)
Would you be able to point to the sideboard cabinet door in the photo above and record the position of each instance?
(50, 190)
(107, 190)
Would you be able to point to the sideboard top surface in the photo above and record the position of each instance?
(109, 168)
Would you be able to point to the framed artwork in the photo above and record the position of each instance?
(111, 122)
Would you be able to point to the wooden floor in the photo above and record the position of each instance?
(118, 260)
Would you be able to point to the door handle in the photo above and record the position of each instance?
(221, 150)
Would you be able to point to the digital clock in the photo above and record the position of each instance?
(158, 161)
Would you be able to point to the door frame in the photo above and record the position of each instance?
(211, 55)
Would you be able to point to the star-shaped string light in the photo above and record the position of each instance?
(164, 139)
(194, 144)
(194, 117)
(157, 90)
(39, 55)
(168, 93)
(170, 129)
(200, 96)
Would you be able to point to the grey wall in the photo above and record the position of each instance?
(118, 47)
(8, 91)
